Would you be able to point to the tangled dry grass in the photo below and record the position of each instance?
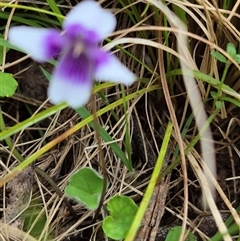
(209, 27)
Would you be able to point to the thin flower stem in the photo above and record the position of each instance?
(102, 161)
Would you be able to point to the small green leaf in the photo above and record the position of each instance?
(213, 94)
(122, 211)
(46, 73)
(174, 234)
(218, 105)
(237, 58)
(219, 56)
(8, 85)
(85, 186)
(231, 49)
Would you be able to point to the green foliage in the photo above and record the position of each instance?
(219, 105)
(231, 50)
(34, 221)
(174, 234)
(85, 186)
(84, 113)
(5, 43)
(218, 96)
(213, 94)
(219, 56)
(237, 58)
(8, 85)
(55, 9)
(232, 227)
(122, 211)
(1, 50)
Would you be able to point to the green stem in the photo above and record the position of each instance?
(31, 121)
(219, 92)
(102, 160)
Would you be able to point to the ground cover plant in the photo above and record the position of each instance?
(155, 146)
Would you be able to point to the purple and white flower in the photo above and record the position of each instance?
(80, 58)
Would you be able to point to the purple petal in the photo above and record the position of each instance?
(91, 17)
(97, 55)
(111, 69)
(72, 81)
(41, 44)
(77, 31)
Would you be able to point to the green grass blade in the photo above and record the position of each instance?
(31, 121)
(62, 137)
(149, 191)
(55, 9)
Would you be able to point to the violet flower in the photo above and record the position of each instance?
(80, 58)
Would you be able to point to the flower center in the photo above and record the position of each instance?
(78, 49)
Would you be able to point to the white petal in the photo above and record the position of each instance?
(91, 16)
(75, 95)
(42, 44)
(71, 81)
(113, 70)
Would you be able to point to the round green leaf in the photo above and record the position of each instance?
(122, 211)
(85, 186)
(8, 85)
(231, 50)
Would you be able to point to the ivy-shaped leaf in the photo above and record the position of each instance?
(8, 85)
(122, 211)
(85, 186)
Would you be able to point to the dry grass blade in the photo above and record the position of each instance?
(9, 232)
(204, 184)
(195, 101)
